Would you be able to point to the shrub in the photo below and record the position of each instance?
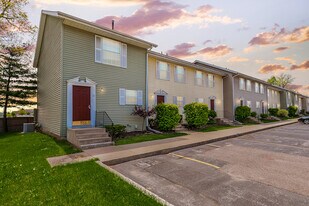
(116, 131)
(167, 116)
(263, 116)
(292, 111)
(196, 114)
(253, 114)
(283, 113)
(212, 114)
(273, 111)
(142, 112)
(242, 113)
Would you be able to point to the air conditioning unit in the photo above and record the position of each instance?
(28, 127)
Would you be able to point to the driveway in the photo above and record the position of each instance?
(263, 168)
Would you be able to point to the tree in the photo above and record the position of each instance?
(142, 112)
(281, 80)
(18, 79)
(13, 18)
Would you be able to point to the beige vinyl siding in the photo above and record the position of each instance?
(274, 99)
(188, 89)
(49, 78)
(79, 60)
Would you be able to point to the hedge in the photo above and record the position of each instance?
(242, 113)
(167, 116)
(196, 114)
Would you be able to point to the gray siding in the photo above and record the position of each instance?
(250, 96)
(49, 78)
(228, 97)
(78, 60)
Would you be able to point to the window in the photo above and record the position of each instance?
(248, 85)
(258, 105)
(272, 93)
(261, 88)
(179, 74)
(241, 84)
(111, 52)
(163, 70)
(179, 101)
(278, 106)
(257, 88)
(268, 92)
(249, 104)
(130, 97)
(289, 95)
(211, 80)
(199, 78)
(200, 100)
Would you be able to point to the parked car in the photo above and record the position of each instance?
(304, 119)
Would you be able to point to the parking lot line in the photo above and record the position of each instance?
(195, 160)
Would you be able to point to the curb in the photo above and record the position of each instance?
(169, 150)
(135, 184)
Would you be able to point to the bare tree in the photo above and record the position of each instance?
(281, 80)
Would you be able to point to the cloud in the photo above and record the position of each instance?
(157, 15)
(288, 59)
(303, 66)
(276, 36)
(105, 3)
(248, 49)
(184, 50)
(237, 59)
(207, 41)
(270, 68)
(280, 49)
(302, 89)
(259, 61)
(181, 50)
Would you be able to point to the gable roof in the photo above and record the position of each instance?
(87, 26)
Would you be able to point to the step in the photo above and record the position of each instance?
(91, 135)
(88, 130)
(95, 145)
(94, 140)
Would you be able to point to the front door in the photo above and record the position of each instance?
(263, 108)
(212, 104)
(160, 99)
(81, 105)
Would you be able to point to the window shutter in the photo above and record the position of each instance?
(206, 81)
(168, 72)
(174, 100)
(213, 77)
(98, 49)
(139, 97)
(175, 74)
(122, 96)
(183, 101)
(124, 55)
(158, 70)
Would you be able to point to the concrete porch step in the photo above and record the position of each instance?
(95, 145)
(91, 135)
(89, 130)
(94, 140)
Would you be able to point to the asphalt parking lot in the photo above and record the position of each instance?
(270, 167)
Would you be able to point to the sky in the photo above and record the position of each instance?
(258, 38)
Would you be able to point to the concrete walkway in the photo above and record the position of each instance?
(118, 154)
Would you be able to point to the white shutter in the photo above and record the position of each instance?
(174, 100)
(213, 77)
(158, 70)
(168, 72)
(139, 97)
(124, 55)
(206, 80)
(122, 96)
(98, 49)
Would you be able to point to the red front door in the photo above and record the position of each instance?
(212, 104)
(160, 99)
(81, 105)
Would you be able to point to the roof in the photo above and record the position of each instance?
(214, 66)
(88, 26)
(211, 69)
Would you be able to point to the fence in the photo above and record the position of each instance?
(15, 124)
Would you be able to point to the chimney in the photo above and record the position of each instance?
(113, 24)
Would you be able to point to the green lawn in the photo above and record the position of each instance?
(146, 137)
(268, 120)
(213, 128)
(27, 179)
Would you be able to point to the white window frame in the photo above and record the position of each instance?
(249, 87)
(211, 81)
(176, 74)
(195, 77)
(158, 71)
(200, 100)
(249, 103)
(242, 84)
(123, 97)
(262, 89)
(257, 88)
(123, 52)
(257, 105)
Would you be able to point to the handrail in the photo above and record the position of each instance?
(103, 119)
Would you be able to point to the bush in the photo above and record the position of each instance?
(253, 114)
(116, 131)
(283, 113)
(242, 113)
(292, 111)
(196, 114)
(273, 111)
(167, 116)
(263, 116)
(212, 114)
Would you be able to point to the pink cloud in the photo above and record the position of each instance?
(269, 68)
(157, 14)
(237, 59)
(288, 59)
(302, 89)
(280, 49)
(276, 36)
(303, 66)
(181, 50)
(219, 50)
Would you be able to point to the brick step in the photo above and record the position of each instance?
(95, 145)
(94, 140)
(91, 135)
(89, 130)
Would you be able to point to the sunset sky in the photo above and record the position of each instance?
(258, 38)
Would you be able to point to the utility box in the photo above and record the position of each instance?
(28, 127)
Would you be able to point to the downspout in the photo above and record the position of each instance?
(233, 95)
(146, 90)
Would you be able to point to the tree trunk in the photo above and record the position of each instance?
(5, 120)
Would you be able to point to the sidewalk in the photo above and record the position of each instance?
(117, 154)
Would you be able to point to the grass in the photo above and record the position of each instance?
(268, 120)
(146, 137)
(216, 128)
(27, 179)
